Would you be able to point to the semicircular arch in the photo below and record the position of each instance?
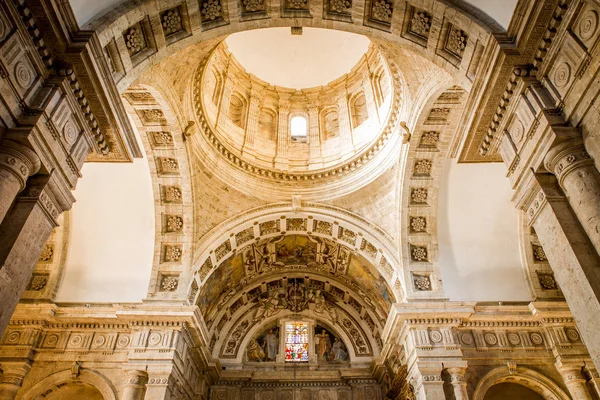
(533, 380)
(89, 377)
(313, 220)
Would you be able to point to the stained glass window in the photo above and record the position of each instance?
(296, 342)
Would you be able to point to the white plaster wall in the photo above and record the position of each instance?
(112, 235)
(478, 235)
(501, 10)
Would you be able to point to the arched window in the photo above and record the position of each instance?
(359, 110)
(267, 124)
(217, 89)
(331, 124)
(298, 128)
(237, 110)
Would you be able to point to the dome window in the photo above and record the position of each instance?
(298, 128)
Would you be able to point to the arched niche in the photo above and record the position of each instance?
(359, 109)
(237, 110)
(267, 124)
(330, 123)
(532, 380)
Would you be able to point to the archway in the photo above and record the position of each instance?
(531, 380)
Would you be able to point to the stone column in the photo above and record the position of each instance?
(579, 178)
(574, 380)
(24, 231)
(313, 131)
(573, 258)
(252, 125)
(17, 164)
(459, 385)
(345, 125)
(281, 160)
(593, 379)
(430, 385)
(135, 385)
(12, 380)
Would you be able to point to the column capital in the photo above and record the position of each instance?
(19, 159)
(566, 156)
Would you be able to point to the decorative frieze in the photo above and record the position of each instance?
(295, 224)
(222, 250)
(269, 227)
(347, 235)
(322, 227)
(244, 236)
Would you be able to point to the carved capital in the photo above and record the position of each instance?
(19, 159)
(565, 157)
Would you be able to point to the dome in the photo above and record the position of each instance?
(306, 136)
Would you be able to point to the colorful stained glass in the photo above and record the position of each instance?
(296, 342)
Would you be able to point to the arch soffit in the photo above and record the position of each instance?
(231, 306)
(92, 378)
(320, 220)
(154, 109)
(450, 18)
(432, 131)
(533, 380)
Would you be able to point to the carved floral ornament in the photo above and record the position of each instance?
(211, 9)
(134, 39)
(171, 21)
(421, 23)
